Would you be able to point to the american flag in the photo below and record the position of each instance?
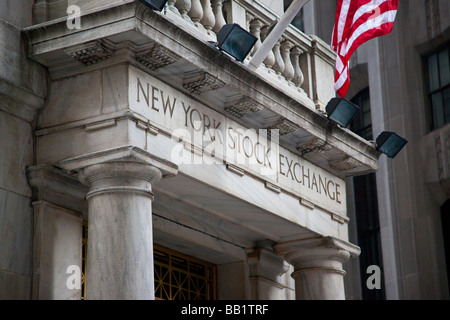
(358, 21)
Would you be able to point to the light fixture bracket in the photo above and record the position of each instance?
(235, 41)
(390, 143)
(341, 111)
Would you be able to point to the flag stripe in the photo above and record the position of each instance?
(373, 26)
(358, 21)
(368, 8)
(372, 13)
(343, 19)
(342, 78)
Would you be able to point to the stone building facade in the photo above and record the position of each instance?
(402, 78)
(135, 152)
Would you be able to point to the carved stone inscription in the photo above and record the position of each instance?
(216, 139)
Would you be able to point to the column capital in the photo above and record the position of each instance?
(317, 262)
(120, 251)
(125, 154)
(120, 176)
(317, 252)
(122, 169)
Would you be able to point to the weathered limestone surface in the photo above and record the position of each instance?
(22, 93)
(119, 91)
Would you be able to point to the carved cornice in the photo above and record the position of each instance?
(284, 127)
(199, 81)
(131, 28)
(157, 57)
(90, 52)
(313, 145)
(345, 164)
(242, 107)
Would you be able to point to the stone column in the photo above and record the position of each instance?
(317, 262)
(120, 245)
(120, 235)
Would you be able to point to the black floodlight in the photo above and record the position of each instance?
(341, 111)
(390, 143)
(155, 4)
(235, 41)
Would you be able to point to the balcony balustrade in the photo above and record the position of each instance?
(296, 61)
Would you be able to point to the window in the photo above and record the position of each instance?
(298, 19)
(438, 87)
(366, 203)
(362, 123)
(180, 277)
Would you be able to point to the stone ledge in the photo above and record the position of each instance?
(144, 26)
(125, 154)
(18, 101)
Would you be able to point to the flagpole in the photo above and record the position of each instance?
(276, 33)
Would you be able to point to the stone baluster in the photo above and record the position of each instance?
(171, 4)
(298, 79)
(217, 6)
(208, 20)
(248, 18)
(196, 12)
(184, 6)
(270, 59)
(279, 63)
(255, 29)
(288, 72)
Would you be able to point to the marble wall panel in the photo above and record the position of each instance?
(16, 227)
(73, 142)
(13, 11)
(324, 88)
(73, 99)
(235, 287)
(16, 149)
(14, 286)
(57, 245)
(15, 67)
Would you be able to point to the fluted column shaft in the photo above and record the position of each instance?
(317, 262)
(120, 245)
